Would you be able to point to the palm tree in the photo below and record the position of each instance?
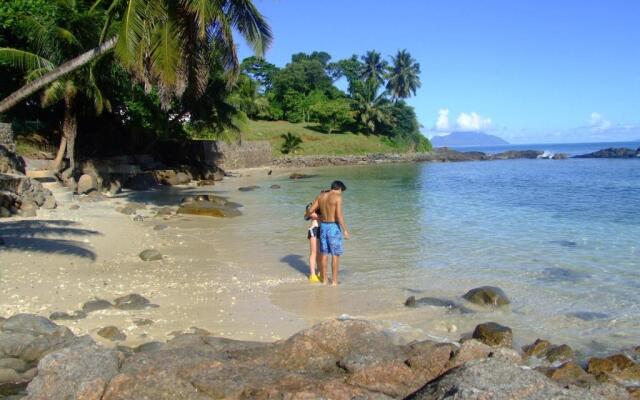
(372, 109)
(68, 35)
(404, 76)
(374, 67)
(165, 43)
(292, 143)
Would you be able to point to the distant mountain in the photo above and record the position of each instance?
(457, 139)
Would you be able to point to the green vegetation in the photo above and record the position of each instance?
(122, 74)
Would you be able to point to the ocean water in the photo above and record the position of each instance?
(562, 238)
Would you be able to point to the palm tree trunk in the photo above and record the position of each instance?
(69, 66)
(57, 162)
(70, 128)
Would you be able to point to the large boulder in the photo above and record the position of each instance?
(617, 368)
(497, 379)
(487, 296)
(172, 177)
(78, 372)
(87, 183)
(143, 181)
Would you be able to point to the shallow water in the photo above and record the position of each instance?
(560, 237)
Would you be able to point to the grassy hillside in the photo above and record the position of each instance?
(315, 142)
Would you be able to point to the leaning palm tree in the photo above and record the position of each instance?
(374, 67)
(372, 109)
(404, 76)
(165, 43)
(55, 41)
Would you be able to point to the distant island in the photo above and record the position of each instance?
(455, 139)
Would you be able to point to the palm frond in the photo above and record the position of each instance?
(23, 60)
(53, 94)
(166, 53)
(251, 24)
(132, 29)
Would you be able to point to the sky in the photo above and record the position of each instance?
(528, 71)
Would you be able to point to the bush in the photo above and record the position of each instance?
(292, 143)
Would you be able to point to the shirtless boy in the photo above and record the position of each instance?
(332, 229)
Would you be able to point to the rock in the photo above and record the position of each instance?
(617, 367)
(131, 302)
(494, 334)
(296, 175)
(4, 213)
(563, 274)
(560, 156)
(172, 178)
(96, 305)
(87, 183)
(114, 188)
(206, 182)
(487, 296)
(611, 152)
(74, 207)
(469, 350)
(164, 212)
(248, 188)
(275, 186)
(537, 349)
(29, 323)
(112, 333)
(588, 315)
(142, 322)
(8, 375)
(435, 302)
(209, 209)
(497, 379)
(15, 364)
(150, 255)
(506, 354)
(430, 359)
(61, 315)
(143, 181)
(560, 353)
(160, 227)
(148, 347)
(188, 199)
(138, 218)
(516, 154)
(545, 350)
(28, 209)
(78, 372)
(569, 373)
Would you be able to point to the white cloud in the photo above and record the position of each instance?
(442, 124)
(598, 122)
(472, 122)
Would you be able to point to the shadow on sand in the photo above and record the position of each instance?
(297, 262)
(40, 236)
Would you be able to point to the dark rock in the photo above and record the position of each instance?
(560, 353)
(537, 349)
(172, 178)
(296, 175)
(150, 255)
(96, 305)
(160, 227)
(61, 315)
(496, 379)
(617, 367)
(209, 209)
(142, 322)
(493, 334)
(112, 333)
(545, 350)
(611, 152)
(248, 188)
(588, 315)
(131, 302)
(515, 154)
(74, 207)
(188, 199)
(143, 181)
(487, 296)
(138, 218)
(435, 302)
(560, 156)
(275, 186)
(563, 274)
(564, 243)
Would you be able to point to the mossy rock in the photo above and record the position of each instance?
(487, 296)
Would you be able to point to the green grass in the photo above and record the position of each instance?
(315, 142)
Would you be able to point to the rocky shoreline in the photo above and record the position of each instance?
(337, 359)
(442, 154)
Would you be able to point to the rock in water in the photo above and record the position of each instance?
(497, 379)
(209, 209)
(131, 302)
(160, 227)
(150, 255)
(112, 333)
(275, 186)
(493, 334)
(297, 175)
(545, 350)
(96, 305)
(487, 296)
(248, 188)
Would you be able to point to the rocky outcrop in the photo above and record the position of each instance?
(210, 206)
(620, 152)
(494, 334)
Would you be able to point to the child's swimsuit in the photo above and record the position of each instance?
(314, 230)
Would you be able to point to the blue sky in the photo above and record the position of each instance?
(529, 71)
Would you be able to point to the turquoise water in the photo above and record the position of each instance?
(560, 237)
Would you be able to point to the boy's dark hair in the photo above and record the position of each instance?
(338, 185)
